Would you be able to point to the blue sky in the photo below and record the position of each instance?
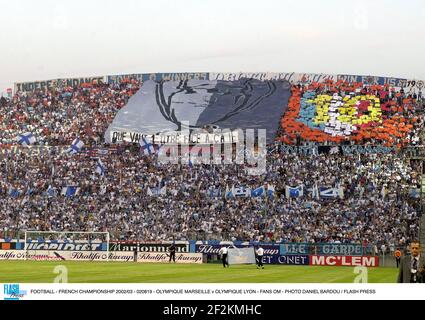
(48, 39)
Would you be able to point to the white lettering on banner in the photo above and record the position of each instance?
(64, 246)
(173, 138)
(295, 260)
(344, 250)
(164, 258)
(57, 83)
(308, 78)
(344, 261)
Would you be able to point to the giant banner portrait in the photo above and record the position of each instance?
(161, 107)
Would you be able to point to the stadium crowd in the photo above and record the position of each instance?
(55, 117)
(376, 206)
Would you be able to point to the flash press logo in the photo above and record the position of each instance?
(13, 292)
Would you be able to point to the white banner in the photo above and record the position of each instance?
(176, 138)
(196, 258)
(241, 256)
(204, 291)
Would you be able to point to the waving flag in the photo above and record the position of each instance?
(51, 192)
(76, 146)
(229, 193)
(294, 192)
(26, 139)
(214, 192)
(242, 192)
(259, 192)
(100, 168)
(157, 192)
(14, 193)
(271, 192)
(148, 148)
(70, 191)
(329, 193)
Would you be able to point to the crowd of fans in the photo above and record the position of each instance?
(57, 116)
(376, 207)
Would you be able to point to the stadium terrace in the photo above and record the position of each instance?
(82, 181)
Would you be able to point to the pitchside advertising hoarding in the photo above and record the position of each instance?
(188, 258)
(344, 261)
(190, 252)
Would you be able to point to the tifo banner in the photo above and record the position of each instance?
(116, 79)
(174, 138)
(292, 77)
(241, 256)
(58, 83)
(166, 106)
(315, 115)
(187, 258)
(308, 78)
(147, 247)
(345, 150)
(344, 261)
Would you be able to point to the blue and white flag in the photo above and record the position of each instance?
(259, 192)
(229, 193)
(26, 139)
(242, 191)
(14, 193)
(70, 191)
(76, 146)
(51, 192)
(271, 192)
(294, 192)
(148, 148)
(329, 193)
(100, 168)
(157, 192)
(315, 192)
(214, 192)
